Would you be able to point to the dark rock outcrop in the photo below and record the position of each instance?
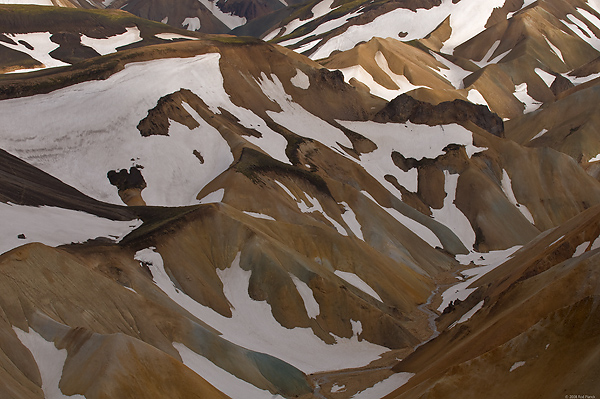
(124, 180)
(405, 108)
(560, 84)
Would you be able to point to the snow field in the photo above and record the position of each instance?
(253, 326)
(467, 19)
(80, 151)
(224, 381)
(50, 362)
(55, 226)
(112, 43)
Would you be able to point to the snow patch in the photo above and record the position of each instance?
(320, 9)
(259, 215)
(50, 362)
(475, 97)
(469, 314)
(559, 239)
(451, 216)
(516, 366)
(224, 381)
(451, 72)
(191, 23)
(385, 387)
(350, 218)
(42, 47)
(308, 297)
(253, 326)
(555, 50)
(595, 159)
(581, 249)
(397, 137)
(548, 78)
(111, 44)
(508, 191)
(215, 196)
(338, 388)
(523, 96)
(31, 2)
(359, 283)
(173, 36)
(55, 226)
(300, 80)
(419, 229)
(230, 20)
(540, 134)
(297, 119)
(486, 262)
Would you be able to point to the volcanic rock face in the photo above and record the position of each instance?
(408, 216)
(405, 108)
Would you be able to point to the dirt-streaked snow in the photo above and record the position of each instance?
(55, 226)
(50, 362)
(112, 43)
(359, 283)
(221, 379)
(80, 151)
(253, 326)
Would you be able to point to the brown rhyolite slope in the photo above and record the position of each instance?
(539, 318)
